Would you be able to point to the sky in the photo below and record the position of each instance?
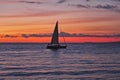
(79, 20)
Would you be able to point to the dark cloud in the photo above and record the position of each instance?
(106, 6)
(9, 36)
(31, 2)
(61, 1)
(68, 34)
(111, 0)
(25, 35)
(65, 34)
(102, 35)
(100, 6)
(87, 0)
(82, 6)
(35, 35)
(88, 35)
(116, 0)
(79, 5)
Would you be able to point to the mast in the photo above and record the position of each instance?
(55, 39)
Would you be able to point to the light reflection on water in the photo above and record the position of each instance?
(78, 61)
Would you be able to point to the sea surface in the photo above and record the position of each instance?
(83, 61)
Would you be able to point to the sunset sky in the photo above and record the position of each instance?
(79, 20)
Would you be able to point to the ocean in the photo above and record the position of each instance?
(80, 61)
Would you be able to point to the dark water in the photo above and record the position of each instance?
(77, 62)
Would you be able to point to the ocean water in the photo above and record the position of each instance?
(83, 61)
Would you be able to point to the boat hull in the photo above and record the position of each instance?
(56, 47)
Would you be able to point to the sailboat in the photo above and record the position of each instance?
(55, 40)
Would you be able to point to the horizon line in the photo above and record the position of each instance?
(48, 42)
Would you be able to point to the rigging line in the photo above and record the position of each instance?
(63, 36)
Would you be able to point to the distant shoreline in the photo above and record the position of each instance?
(61, 43)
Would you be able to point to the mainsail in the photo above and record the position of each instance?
(55, 39)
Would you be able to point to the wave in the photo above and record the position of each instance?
(61, 73)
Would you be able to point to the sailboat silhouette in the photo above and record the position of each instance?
(55, 40)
